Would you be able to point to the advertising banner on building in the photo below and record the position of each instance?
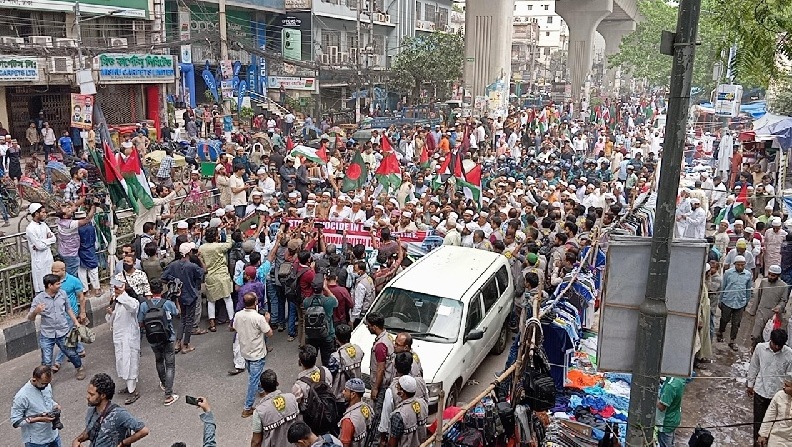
(298, 4)
(138, 9)
(15, 68)
(82, 111)
(185, 51)
(728, 99)
(291, 83)
(135, 68)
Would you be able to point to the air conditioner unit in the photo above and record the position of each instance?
(87, 63)
(431, 26)
(379, 17)
(118, 42)
(44, 41)
(333, 54)
(65, 43)
(344, 58)
(325, 59)
(386, 18)
(12, 40)
(61, 65)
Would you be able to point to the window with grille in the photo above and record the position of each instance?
(352, 4)
(379, 44)
(330, 39)
(549, 19)
(417, 10)
(352, 41)
(442, 17)
(430, 14)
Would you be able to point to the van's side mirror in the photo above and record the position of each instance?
(475, 334)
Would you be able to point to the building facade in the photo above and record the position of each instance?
(551, 38)
(39, 61)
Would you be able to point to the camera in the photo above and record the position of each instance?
(55, 414)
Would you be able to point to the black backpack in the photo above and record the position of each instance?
(235, 254)
(538, 387)
(701, 438)
(155, 323)
(316, 327)
(174, 290)
(319, 405)
(289, 278)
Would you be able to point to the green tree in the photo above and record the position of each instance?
(639, 52)
(433, 59)
(779, 98)
(762, 32)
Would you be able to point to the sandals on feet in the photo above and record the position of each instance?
(132, 399)
(188, 350)
(171, 399)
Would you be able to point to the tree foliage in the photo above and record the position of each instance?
(779, 99)
(762, 31)
(433, 58)
(639, 52)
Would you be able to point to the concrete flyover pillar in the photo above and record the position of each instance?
(488, 40)
(582, 17)
(613, 31)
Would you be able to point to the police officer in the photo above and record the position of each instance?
(403, 363)
(344, 364)
(274, 414)
(403, 343)
(408, 421)
(357, 419)
(381, 360)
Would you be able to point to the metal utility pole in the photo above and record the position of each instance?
(357, 65)
(79, 34)
(653, 311)
(221, 8)
(370, 57)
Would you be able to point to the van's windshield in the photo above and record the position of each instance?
(423, 316)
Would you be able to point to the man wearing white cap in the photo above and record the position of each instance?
(696, 221)
(406, 225)
(768, 299)
(452, 236)
(39, 239)
(773, 238)
(735, 294)
(683, 209)
(408, 421)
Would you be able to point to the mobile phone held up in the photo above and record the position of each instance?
(192, 400)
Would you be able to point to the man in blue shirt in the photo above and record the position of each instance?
(735, 294)
(66, 144)
(30, 404)
(164, 354)
(191, 276)
(73, 289)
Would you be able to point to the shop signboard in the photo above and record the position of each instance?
(728, 99)
(82, 111)
(135, 68)
(298, 4)
(138, 9)
(291, 83)
(15, 68)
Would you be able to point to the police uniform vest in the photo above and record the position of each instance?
(413, 413)
(360, 414)
(350, 357)
(420, 393)
(277, 412)
(416, 370)
(384, 338)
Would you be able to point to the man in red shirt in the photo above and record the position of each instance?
(345, 304)
(303, 262)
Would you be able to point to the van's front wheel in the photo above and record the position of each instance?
(503, 340)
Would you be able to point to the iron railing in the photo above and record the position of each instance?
(16, 282)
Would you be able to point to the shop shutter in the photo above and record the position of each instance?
(24, 104)
(121, 103)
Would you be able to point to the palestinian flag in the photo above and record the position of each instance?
(389, 172)
(423, 161)
(322, 153)
(356, 174)
(385, 144)
(451, 165)
(471, 184)
(108, 163)
(308, 153)
(735, 210)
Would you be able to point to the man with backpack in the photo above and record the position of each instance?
(252, 328)
(314, 394)
(344, 364)
(156, 316)
(190, 275)
(301, 435)
(318, 318)
(296, 278)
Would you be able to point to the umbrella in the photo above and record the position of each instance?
(155, 158)
(336, 129)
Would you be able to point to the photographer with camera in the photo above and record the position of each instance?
(35, 411)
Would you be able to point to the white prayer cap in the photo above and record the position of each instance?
(739, 258)
(739, 222)
(775, 269)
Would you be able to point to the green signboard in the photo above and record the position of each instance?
(139, 9)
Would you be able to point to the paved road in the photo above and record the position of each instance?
(200, 373)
